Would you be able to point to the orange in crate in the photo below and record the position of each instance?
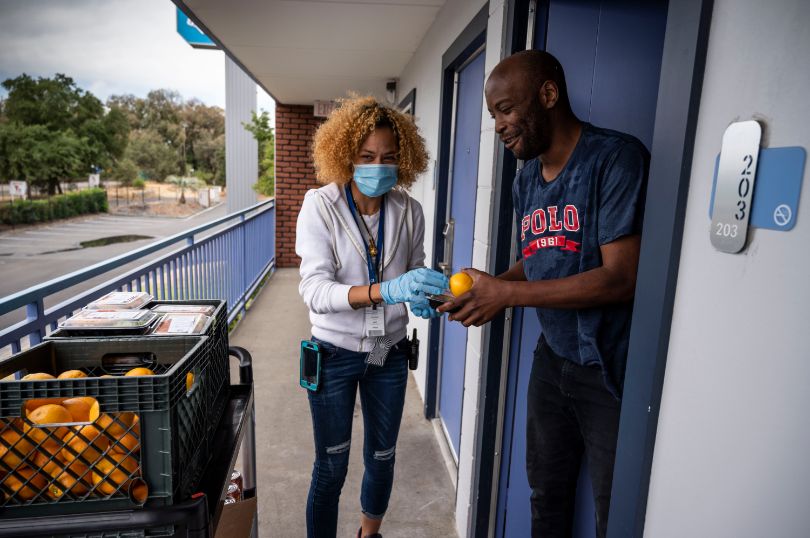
(79, 408)
(74, 477)
(14, 448)
(129, 442)
(49, 438)
(25, 483)
(71, 374)
(85, 444)
(37, 376)
(114, 472)
(139, 372)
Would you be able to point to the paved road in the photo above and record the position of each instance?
(35, 254)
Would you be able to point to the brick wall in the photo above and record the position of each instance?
(295, 175)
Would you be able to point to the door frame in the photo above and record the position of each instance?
(680, 84)
(472, 38)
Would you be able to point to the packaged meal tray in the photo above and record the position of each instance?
(121, 300)
(181, 324)
(204, 309)
(110, 320)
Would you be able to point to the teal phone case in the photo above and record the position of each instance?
(310, 382)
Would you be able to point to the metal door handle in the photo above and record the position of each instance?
(446, 265)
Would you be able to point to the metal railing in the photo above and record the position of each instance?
(228, 264)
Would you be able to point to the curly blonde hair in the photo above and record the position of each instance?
(338, 140)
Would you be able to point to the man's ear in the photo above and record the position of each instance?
(549, 94)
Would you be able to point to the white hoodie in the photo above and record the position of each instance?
(333, 259)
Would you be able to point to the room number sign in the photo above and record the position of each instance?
(736, 173)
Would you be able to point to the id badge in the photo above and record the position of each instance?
(375, 322)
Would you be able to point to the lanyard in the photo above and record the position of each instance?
(374, 271)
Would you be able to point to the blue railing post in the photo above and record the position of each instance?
(33, 312)
(244, 275)
(197, 270)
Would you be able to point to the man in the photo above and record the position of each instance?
(579, 203)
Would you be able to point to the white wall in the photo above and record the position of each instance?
(731, 455)
(424, 73)
(241, 149)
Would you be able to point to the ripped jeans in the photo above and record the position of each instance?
(382, 397)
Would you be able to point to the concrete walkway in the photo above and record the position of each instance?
(422, 501)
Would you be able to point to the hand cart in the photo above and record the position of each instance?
(194, 518)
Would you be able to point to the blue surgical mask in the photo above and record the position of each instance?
(375, 179)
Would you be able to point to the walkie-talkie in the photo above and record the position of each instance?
(413, 352)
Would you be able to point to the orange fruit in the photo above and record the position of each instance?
(139, 371)
(460, 283)
(71, 374)
(189, 381)
(113, 472)
(34, 482)
(37, 376)
(73, 477)
(32, 404)
(114, 427)
(39, 459)
(84, 443)
(138, 490)
(79, 407)
(14, 448)
(129, 442)
(45, 415)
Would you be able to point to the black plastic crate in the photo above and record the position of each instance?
(216, 329)
(173, 438)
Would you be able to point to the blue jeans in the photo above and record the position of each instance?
(570, 411)
(382, 396)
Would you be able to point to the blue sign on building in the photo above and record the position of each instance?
(777, 188)
(192, 33)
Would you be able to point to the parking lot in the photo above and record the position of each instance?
(31, 255)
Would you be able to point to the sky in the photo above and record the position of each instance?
(110, 47)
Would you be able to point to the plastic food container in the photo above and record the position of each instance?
(121, 300)
(206, 310)
(110, 320)
(180, 324)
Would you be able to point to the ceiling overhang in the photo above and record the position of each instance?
(301, 51)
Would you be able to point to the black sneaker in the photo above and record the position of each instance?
(360, 534)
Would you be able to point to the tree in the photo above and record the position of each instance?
(152, 155)
(125, 171)
(39, 156)
(193, 130)
(259, 126)
(64, 132)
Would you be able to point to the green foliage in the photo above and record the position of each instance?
(124, 171)
(54, 131)
(56, 207)
(259, 127)
(151, 154)
(139, 184)
(38, 155)
(193, 131)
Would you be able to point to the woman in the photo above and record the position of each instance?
(360, 242)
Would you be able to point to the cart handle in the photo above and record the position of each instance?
(245, 363)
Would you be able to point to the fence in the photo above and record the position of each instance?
(228, 264)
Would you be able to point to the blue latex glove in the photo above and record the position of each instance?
(413, 285)
(423, 310)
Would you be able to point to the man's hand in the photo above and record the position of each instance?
(485, 300)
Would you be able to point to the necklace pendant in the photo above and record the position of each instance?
(372, 249)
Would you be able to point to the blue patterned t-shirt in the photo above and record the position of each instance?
(597, 198)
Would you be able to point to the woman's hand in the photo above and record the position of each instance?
(422, 309)
(413, 285)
